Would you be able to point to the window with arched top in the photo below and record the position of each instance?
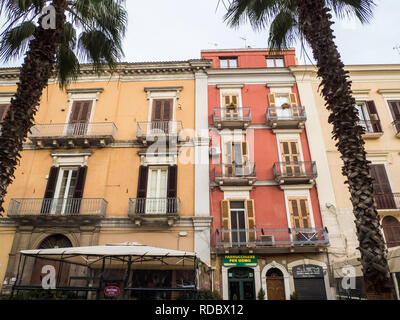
(55, 241)
(274, 272)
(391, 229)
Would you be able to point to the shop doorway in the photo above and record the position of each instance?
(309, 282)
(241, 284)
(275, 285)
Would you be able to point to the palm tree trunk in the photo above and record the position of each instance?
(36, 70)
(315, 22)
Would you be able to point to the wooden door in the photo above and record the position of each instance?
(290, 155)
(391, 229)
(275, 288)
(162, 115)
(79, 119)
(382, 190)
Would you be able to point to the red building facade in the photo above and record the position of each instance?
(267, 231)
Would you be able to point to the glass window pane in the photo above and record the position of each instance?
(279, 63)
(223, 63)
(270, 63)
(237, 204)
(233, 63)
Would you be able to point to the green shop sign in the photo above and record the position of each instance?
(239, 261)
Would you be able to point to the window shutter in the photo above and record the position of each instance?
(80, 182)
(305, 214)
(172, 181)
(3, 111)
(142, 182)
(293, 100)
(167, 110)
(75, 113)
(225, 220)
(86, 108)
(271, 98)
(299, 213)
(395, 108)
(157, 106)
(372, 109)
(51, 183)
(251, 220)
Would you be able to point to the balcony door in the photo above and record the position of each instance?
(162, 115)
(236, 159)
(79, 119)
(382, 190)
(394, 106)
(291, 158)
(238, 223)
(156, 202)
(368, 116)
(65, 189)
(278, 101)
(300, 219)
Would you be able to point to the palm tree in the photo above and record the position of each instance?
(311, 20)
(90, 30)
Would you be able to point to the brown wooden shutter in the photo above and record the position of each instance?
(81, 111)
(290, 157)
(3, 111)
(395, 109)
(225, 221)
(80, 182)
(142, 182)
(271, 98)
(230, 98)
(382, 189)
(50, 190)
(167, 110)
(51, 183)
(305, 214)
(157, 110)
(373, 114)
(172, 181)
(251, 220)
(85, 114)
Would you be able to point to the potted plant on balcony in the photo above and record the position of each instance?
(231, 106)
(285, 105)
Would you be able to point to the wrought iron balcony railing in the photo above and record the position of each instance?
(233, 173)
(67, 206)
(387, 200)
(371, 126)
(73, 134)
(295, 171)
(154, 206)
(152, 129)
(232, 117)
(267, 237)
(296, 113)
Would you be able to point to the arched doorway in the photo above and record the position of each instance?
(391, 229)
(275, 284)
(62, 269)
(241, 284)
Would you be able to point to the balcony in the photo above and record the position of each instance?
(295, 172)
(155, 130)
(154, 210)
(272, 240)
(235, 174)
(373, 128)
(232, 117)
(286, 117)
(72, 135)
(396, 124)
(387, 201)
(67, 210)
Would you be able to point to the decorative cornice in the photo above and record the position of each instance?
(85, 90)
(6, 94)
(389, 91)
(230, 86)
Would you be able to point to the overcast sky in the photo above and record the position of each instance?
(165, 30)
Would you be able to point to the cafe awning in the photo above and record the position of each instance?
(94, 254)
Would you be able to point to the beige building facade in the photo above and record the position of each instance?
(376, 89)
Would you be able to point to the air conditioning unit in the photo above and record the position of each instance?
(307, 237)
(267, 240)
(214, 151)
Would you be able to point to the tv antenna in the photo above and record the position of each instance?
(213, 44)
(245, 41)
(397, 48)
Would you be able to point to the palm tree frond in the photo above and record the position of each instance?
(283, 31)
(361, 9)
(14, 42)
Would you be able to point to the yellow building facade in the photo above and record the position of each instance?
(111, 160)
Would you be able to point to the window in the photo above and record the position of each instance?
(79, 118)
(291, 158)
(368, 116)
(394, 106)
(236, 159)
(382, 190)
(275, 62)
(231, 62)
(299, 212)
(238, 222)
